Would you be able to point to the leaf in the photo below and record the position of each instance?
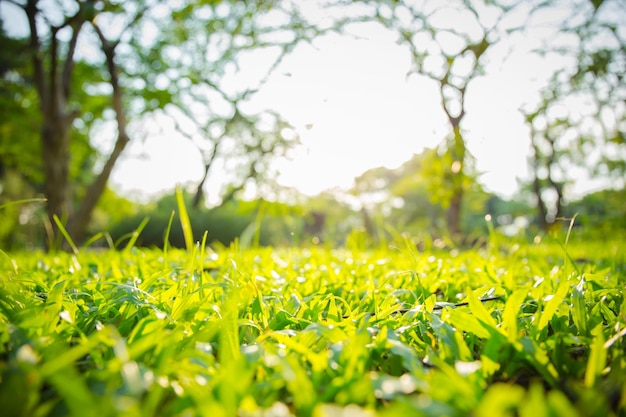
(538, 357)
(135, 235)
(333, 312)
(166, 236)
(65, 234)
(429, 303)
(75, 392)
(510, 316)
(466, 322)
(25, 201)
(478, 309)
(552, 304)
(579, 309)
(184, 219)
(67, 358)
(597, 358)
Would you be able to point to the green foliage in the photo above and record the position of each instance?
(20, 117)
(21, 170)
(600, 213)
(413, 198)
(275, 223)
(522, 330)
(111, 209)
(19, 148)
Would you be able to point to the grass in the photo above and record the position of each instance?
(521, 330)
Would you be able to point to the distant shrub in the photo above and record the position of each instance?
(222, 226)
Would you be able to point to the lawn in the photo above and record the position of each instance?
(504, 328)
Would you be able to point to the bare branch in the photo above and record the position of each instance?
(13, 2)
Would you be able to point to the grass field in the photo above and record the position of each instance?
(505, 329)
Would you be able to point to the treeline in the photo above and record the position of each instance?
(327, 219)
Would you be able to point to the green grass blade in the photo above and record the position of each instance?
(75, 392)
(494, 243)
(65, 234)
(93, 239)
(201, 274)
(479, 310)
(24, 201)
(466, 322)
(579, 308)
(511, 313)
(597, 358)
(68, 357)
(184, 219)
(166, 236)
(258, 222)
(135, 235)
(552, 305)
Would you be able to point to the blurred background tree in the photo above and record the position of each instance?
(111, 68)
(451, 56)
(578, 128)
(408, 200)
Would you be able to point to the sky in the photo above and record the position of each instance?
(354, 108)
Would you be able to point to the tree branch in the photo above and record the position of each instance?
(207, 167)
(31, 11)
(117, 98)
(78, 225)
(69, 59)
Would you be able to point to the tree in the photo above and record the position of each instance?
(579, 125)
(21, 175)
(448, 43)
(151, 61)
(58, 76)
(409, 197)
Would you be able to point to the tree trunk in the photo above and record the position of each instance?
(458, 173)
(558, 204)
(541, 206)
(77, 226)
(368, 223)
(458, 153)
(55, 157)
(52, 75)
(55, 154)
